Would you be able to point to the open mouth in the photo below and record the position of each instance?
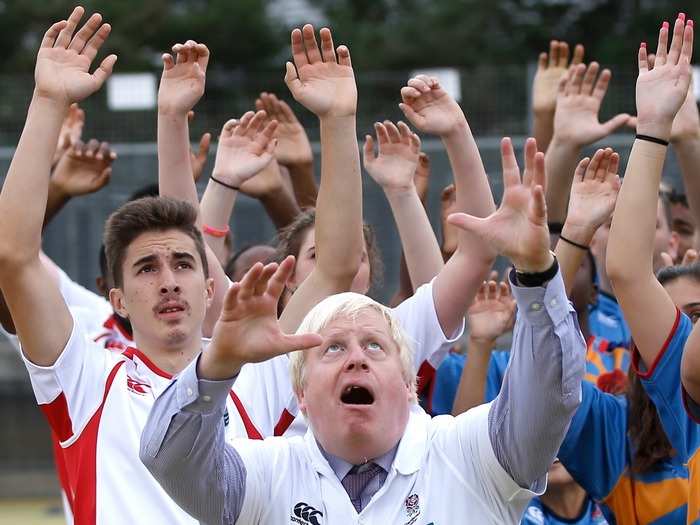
(172, 309)
(356, 395)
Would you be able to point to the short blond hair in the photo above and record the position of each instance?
(350, 304)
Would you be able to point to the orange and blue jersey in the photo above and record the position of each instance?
(597, 452)
(605, 320)
(662, 381)
(537, 513)
(607, 364)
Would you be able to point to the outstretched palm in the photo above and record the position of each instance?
(395, 166)
(492, 313)
(183, 79)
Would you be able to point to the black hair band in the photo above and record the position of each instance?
(572, 243)
(655, 140)
(229, 186)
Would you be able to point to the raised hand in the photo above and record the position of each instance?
(394, 168)
(318, 79)
(687, 122)
(245, 148)
(293, 146)
(492, 313)
(518, 229)
(183, 78)
(84, 169)
(71, 131)
(429, 107)
(578, 105)
(248, 330)
(550, 70)
(662, 89)
(689, 257)
(63, 62)
(593, 195)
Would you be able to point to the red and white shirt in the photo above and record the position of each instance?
(97, 402)
(265, 404)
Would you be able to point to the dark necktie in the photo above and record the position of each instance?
(357, 480)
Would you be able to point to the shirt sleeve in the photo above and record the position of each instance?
(70, 391)
(418, 318)
(662, 381)
(595, 450)
(76, 295)
(183, 446)
(542, 385)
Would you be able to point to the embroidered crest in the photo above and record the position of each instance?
(412, 505)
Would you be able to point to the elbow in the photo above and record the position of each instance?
(617, 268)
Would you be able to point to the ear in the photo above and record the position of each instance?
(300, 401)
(116, 299)
(209, 291)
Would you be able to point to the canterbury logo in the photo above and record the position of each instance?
(306, 515)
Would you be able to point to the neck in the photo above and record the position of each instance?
(566, 501)
(172, 358)
(583, 323)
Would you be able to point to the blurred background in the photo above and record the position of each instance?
(488, 50)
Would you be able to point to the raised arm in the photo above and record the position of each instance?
(432, 110)
(245, 149)
(545, 86)
(541, 389)
(576, 125)
(323, 81)
(394, 170)
(490, 316)
(661, 91)
(61, 77)
(592, 201)
(293, 148)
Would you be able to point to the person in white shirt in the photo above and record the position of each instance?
(370, 455)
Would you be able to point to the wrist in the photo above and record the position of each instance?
(543, 112)
(167, 110)
(485, 343)
(538, 263)
(457, 131)
(56, 190)
(47, 99)
(566, 144)
(657, 129)
(214, 365)
(580, 234)
(400, 192)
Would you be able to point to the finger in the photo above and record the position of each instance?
(382, 134)
(279, 279)
(687, 49)
(393, 131)
(651, 58)
(481, 294)
(409, 94)
(604, 165)
(503, 290)
(415, 148)
(662, 48)
(563, 83)
(614, 123)
(405, 132)
(468, 223)
(298, 52)
(291, 78)
(492, 289)
(259, 104)
(231, 297)
(539, 179)
(368, 150)
(614, 166)
(530, 152)
(228, 127)
(104, 152)
(310, 44)
(202, 56)
(581, 168)
(511, 172)
(182, 53)
(268, 132)
(66, 34)
(327, 47)
(578, 55)
(642, 62)
(95, 43)
(666, 260)
(268, 104)
(102, 73)
(577, 80)
(242, 127)
(249, 280)
(538, 206)
(204, 145)
(256, 123)
(419, 84)
(542, 61)
(417, 119)
(85, 32)
(563, 54)
(601, 86)
(92, 147)
(447, 192)
(261, 283)
(553, 53)
(294, 343)
(52, 33)
(589, 78)
(168, 62)
(594, 164)
(344, 56)
(689, 257)
(677, 40)
(285, 113)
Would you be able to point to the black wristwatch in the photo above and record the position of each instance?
(537, 279)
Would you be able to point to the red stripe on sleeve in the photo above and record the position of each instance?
(247, 423)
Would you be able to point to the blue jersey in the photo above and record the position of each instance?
(662, 381)
(538, 514)
(605, 320)
(597, 453)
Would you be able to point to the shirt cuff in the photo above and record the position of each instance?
(542, 305)
(201, 396)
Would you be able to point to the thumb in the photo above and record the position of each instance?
(690, 257)
(102, 73)
(411, 115)
(666, 260)
(615, 122)
(291, 78)
(301, 341)
(467, 222)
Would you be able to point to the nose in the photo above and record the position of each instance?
(168, 283)
(356, 360)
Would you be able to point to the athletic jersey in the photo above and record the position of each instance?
(94, 308)
(113, 335)
(266, 404)
(97, 402)
(537, 513)
(597, 453)
(605, 319)
(606, 367)
(662, 381)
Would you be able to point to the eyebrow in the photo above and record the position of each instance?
(144, 260)
(153, 258)
(184, 255)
